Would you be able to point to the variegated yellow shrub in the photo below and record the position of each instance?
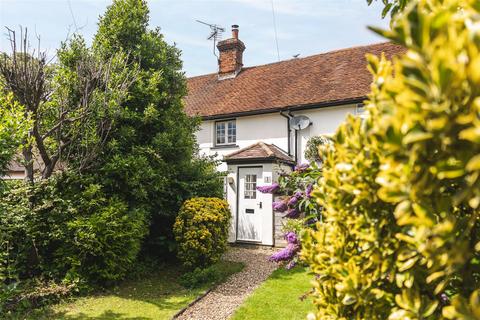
(201, 231)
(401, 190)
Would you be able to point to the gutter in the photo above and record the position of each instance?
(286, 109)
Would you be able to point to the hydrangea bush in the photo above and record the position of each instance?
(401, 189)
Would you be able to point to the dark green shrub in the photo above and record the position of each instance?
(199, 277)
(150, 161)
(17, 298)
(201, 231)
(70, 231)
(215, 273)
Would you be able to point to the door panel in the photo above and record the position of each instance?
(250, 204)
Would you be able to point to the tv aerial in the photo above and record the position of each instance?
(300, 122)
(216, 32)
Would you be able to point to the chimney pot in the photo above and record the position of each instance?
(235, 31)
(230, 61)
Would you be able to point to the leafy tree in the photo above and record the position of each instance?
(392, 6)
(71, 103)
(150, 158)
(401, 191)
(13, 128)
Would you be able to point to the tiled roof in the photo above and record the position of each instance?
(337, 76)
(259, 151)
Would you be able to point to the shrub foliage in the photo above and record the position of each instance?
(150, 160)
(201, 231)
(69, 231)
(13, 128)
(401, 190)
(314, 146)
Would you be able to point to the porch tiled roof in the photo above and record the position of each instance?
(329, 78)
(259, 151)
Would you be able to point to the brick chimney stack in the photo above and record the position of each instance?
(231, 50)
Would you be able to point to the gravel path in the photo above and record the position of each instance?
(221, 302)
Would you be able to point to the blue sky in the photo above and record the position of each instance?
(304, 27)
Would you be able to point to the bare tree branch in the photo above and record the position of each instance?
(61, 122)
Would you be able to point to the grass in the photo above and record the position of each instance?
(157, 296)
(279, 297)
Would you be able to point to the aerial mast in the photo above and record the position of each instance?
(216, 32)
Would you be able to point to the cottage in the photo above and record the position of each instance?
(248, 116)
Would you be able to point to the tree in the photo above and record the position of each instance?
(71, 103)
(150, 159)
(13, 128)
(392, 6)
(401, 190)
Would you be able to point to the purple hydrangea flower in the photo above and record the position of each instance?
(298, 195)
(291, 237)
(292, 213)
(269, 189)
(302, 167)
(279, 206)
(309, 190)
(293, 201)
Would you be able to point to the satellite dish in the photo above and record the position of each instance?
(299, 122)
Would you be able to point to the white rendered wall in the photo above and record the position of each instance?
(272, 128)
(269, 128)
(324, 121)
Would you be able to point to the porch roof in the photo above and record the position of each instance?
(259, 152)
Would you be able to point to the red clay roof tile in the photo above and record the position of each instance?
(259, 150)
(323, 78)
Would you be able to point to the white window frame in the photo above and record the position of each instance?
(229, 139)
(250, 188)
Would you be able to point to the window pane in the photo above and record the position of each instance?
(232, 131)
(220, 132)
(250, 186)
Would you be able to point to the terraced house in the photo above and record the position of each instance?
(258, 120)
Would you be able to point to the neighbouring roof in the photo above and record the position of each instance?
(259, 151)
(332, 77)
(15, 166)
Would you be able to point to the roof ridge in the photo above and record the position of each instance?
(302, 58)
(324, 80)
(266, 148)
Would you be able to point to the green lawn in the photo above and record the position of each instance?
(157, 296)
(279, 297)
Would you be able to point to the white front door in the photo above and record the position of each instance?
(250, 204)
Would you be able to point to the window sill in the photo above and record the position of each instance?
(225, 146)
